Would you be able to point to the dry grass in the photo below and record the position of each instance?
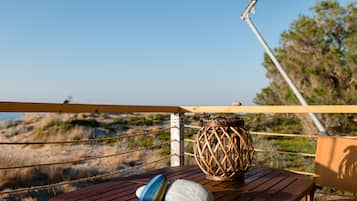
(37, 129)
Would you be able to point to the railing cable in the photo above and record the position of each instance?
(43, 187)
(189, 154)
(191, 126)
(87, 140)
(83, 159)
(289, 153)
(311, 135)
(283, 134)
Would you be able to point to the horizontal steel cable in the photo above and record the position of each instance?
(297, 135)
(281, 134)
(286, 152)
(189, 140)
(189, 154)
(280, 152)
(43, 187)
(294, 171)
(265, 133)
(191, 126)
(83, 159)
(86, 140)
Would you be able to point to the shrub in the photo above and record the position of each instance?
(159, 117)
(67, 125)
(148, 122)
(189, 133)
(59, 124)
(163, 135)
(165, 150)
(146, 142)
(274, 123)
(125, 127)
(120, 121)
(131, 142)
(110, 142)
(140, 121)
(295, 144)
(85, 122)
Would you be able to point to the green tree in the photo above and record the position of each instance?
(320, 55)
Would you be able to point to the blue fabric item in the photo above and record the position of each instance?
(183, 190)
(155, 189)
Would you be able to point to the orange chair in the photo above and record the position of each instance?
(336, 163)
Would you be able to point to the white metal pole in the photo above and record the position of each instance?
(177, 139)
(301, 99)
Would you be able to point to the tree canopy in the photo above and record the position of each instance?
(319, 53)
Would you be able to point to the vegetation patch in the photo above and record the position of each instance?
(159, 117)
(318, 52)
(85, 122)
(120, 121)
(302, 145)
(67, 125)
(279, 123)
(190, 133)
(165, 150)
(140, 121)
(163, 135)
(147, 142)
(59, 124)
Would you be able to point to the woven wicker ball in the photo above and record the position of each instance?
(223, 148)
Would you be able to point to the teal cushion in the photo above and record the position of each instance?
(155, 189)
(184, 190)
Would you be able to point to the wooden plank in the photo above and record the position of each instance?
(127, 192)
(99, 188)
(270, 183)
(261, 173)
(103, 108)
(273, 109)
(103, 192)
(190, 173)
(261, 181)
(296, 190)
(260, 184)
(226, 196)
(82, 108)
(122, 193)
(78, 193)
(172, 174)
(234, 185)
(84, 193)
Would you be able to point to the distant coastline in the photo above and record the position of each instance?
(6, 116)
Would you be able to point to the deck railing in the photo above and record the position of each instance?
(270, 134)
(79, 160)
(177, 129)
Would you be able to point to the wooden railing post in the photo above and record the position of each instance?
(177, 139)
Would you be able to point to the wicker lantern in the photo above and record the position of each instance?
(223, 148)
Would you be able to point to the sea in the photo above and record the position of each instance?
(7, 116)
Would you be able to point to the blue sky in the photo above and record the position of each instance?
(159, 52)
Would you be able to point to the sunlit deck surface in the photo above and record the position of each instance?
(260, 183)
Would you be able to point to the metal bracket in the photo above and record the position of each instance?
(249, 9)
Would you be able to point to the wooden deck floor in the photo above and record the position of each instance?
(260, 184)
